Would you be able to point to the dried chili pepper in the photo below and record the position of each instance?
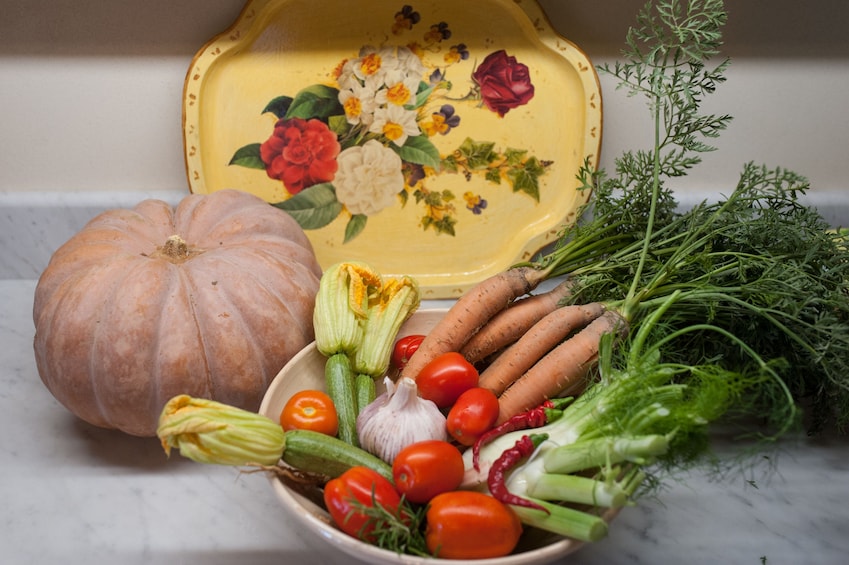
(543, 414)
(496, 480)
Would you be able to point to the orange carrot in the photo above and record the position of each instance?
(510, 324)
(471, 311)
(563, 367)
(541, 338)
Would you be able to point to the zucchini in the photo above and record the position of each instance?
(315, 452)
(365, 391)
(339, 382)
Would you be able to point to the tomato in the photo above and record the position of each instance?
(470, 525)
(445, 378)
(359, 487)
(310, 410)
(427, 468)
(474, 412)
(404, 349)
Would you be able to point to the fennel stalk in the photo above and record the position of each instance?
(733, 308)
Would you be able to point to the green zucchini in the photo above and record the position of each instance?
(315, 452)
(365, 391)
(339, 382)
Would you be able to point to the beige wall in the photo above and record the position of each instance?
(90, 91)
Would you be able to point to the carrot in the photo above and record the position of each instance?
(536, 343)
(563, 367)
(471, 311)
(510, 324)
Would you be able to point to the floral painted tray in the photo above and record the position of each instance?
(438, 139)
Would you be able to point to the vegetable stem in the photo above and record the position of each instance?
(563, 520)
(339, 381)
(578, 489)
(604, 451)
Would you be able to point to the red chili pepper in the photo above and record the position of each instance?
(546, 412)
(496, 480)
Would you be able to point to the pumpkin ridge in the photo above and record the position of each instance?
(256, 218)
(191, 216)
(245, 323)
(178, 310)
(115, 407)
(201, 304)
(231, 393)
(188, 286)
(118, 331)
(272, 289)
(304, 319)
(61, 294)
(283, 250)
(100, 328)
(144, 224)
(261, 285)
(43, 316)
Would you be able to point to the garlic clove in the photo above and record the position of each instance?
(398, 418)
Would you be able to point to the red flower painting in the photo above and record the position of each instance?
(300, 153)
(504, 82)
(364, 141)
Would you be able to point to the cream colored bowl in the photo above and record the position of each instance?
(306, 371)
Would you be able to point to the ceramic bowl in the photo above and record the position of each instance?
(306, 371)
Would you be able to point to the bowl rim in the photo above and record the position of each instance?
(371, 553)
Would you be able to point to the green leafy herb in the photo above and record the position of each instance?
(732, 310)
(757, 264)
(401, 531)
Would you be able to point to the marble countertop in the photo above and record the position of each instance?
(72, 493)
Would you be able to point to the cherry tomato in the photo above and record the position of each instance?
(445, 378)
(470, 525)
(404, 349)
(474, 412)
(310, 410)
(427, 468)
(359, 487)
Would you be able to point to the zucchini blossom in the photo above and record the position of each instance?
(398, 300)
(356, 318)
(207, 431)
(341, 306)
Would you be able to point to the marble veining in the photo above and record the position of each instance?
(34, 224)
(72, 493)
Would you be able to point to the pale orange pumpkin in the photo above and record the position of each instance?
(209, 298)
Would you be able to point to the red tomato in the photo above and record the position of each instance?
(475, 412)
(445, 378)
(354, 487)
(404, 349)
(427, 468)
(470, 525)
(310, 410)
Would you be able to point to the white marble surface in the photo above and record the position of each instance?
(34, 224)
(71, 493)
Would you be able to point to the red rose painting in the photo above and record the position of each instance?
(365, 140)
(504, 83)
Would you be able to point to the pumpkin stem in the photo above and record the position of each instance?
(175, 250)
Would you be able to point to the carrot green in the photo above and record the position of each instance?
(734, 311)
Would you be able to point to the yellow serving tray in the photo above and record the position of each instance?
(439, 139)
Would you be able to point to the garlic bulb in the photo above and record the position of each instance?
(397, 418)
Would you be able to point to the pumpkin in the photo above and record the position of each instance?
(209, 298)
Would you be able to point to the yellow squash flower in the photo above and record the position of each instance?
(342, 304)
(398, 300)
(207, 431)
